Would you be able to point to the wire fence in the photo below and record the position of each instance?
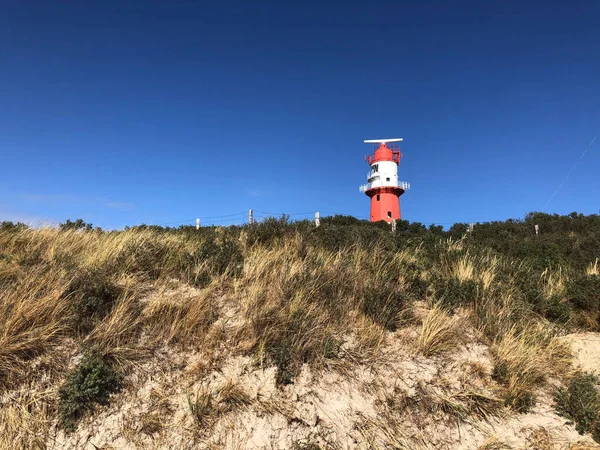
(257, 216)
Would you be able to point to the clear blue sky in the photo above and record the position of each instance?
(124, 112)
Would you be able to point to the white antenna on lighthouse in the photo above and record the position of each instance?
(382, 141)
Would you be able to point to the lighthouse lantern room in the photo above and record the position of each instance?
(383, 187)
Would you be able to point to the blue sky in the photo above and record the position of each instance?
(124, 112)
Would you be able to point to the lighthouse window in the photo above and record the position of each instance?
(390, 214)
(387, 179)
(375, 167)
(377, 197)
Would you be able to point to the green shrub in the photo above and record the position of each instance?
(557, 310)
(94, 296)
(268, 231)
(580, 402)
(528, 283)
(453, 293)
(332, 347)
(522, 402)
(218, 258)
(7, 225)
(90, 383)
(383, 303)
(584, 292)
(337, 237)
(79, 224)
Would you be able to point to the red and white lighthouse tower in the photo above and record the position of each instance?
(383, 187)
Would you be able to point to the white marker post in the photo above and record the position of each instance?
(250, 217)
(537, 230)
(197, 224)
(394, 226)
(317, 219)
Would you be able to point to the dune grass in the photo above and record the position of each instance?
(299, 295)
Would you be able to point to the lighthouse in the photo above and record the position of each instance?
(383, 187)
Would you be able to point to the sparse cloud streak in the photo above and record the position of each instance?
(125, 206)
(70, 199)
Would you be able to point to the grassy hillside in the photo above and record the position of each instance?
(90, 320)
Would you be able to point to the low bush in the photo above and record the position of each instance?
(7, 225)
(94, 296)
(580, 402)
(584, 292)
(557, 310)
(267, 232)
(78, 224)
(522, 401)
(88, 385)
(369, 236)
(383, 303)
(453, 292)
(217, 257)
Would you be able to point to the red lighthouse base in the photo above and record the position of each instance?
(385, 203)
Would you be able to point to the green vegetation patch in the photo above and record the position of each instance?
(88, 385)
(580, 402)
(217, 257)
(94, 296)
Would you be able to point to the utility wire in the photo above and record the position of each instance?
(572, 169)
(174, 223)
(287, 214)
(244, 213)
(240, 215)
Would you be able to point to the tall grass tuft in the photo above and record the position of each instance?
(524, 359)
(439, 332)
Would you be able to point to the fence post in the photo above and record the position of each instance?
(394, 226)
(197, 224)
(317, 219)
(250, 217)
(537, 230)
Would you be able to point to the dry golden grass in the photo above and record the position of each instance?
(464, 269)
(455, 245)
(180, 315)
(494, 443)
(208, 404)
(427, 400)
(525, 358)
(387, 433)
(203, 406)
(479, 268)
(25, 420)
(233, 396)
(34, 316)
(554, 282)
(583, 446)
(117, 335)
(593, 268)
(541, 439)
(439, 332)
